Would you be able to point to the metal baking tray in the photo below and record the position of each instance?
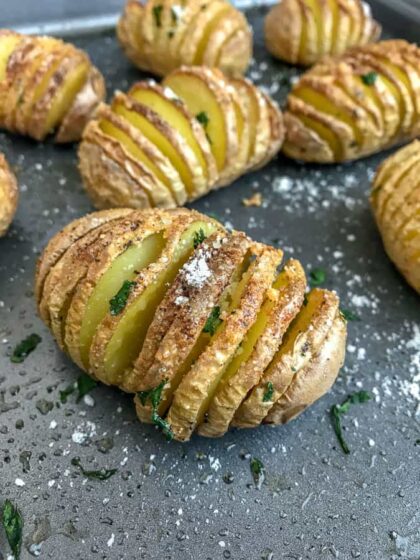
(198, 500)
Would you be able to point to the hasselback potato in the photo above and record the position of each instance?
(164, 145)
(9, 195)
(355, 105)
(46, 86)
(303, 31)
(161, 35)
(395, 200)
(199, 323)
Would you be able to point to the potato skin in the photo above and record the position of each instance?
(395, 202)
(9, 195)
(193, 329)
(160, 35)
(115, 175)
(48, 66)
(353, 106)
(290, 20)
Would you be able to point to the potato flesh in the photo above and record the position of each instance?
(168, 111)
(210, 28)
(7, 45)
(157, 138)
(199, 98)
(125, 267)
(128, 337)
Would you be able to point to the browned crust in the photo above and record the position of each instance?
(9, 195)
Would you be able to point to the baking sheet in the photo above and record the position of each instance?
(198, 500)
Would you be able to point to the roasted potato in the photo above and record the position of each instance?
(303, 31)
(46, 87)
(9, 195)
(199, 323)
(165, 145)
(395, 200)
(349, 107)
(161, 35)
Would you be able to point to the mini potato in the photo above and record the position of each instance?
(9, 195)
(353, 106)
(165, 145)
(303, 31)
(395, 201)
(160, 35)
(200, 324)
(46, 86)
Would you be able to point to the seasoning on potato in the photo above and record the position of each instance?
(9, 195)
(199, 323)
(161, 35)
(395, 200)
(46, 87)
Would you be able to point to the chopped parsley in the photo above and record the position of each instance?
(317, 277)
(337, 411)
(348, 315)
(199, 237)
(203, 118)
(370, 78)
(83, 385)
(257, 471)
(154, 396)
(119, 301)
(13, 525)
(24, 348)
(101, 474)
(213, 321)
(157, 14)
(269, 391)
(67, 392)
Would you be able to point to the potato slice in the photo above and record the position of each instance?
(205, 94)
(283, 41)
(119, 338)
(311, 34)
(314, 380)
(161, 100)
(129, 35)
(300, 344)
(9, 195)
(236, 53)
(176, 335)
(65, 238)
(277, 130)
(122, 261)
(280, 307)
(198, 386)
(8, 42)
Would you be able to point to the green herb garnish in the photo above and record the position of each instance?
(348, 315)
(199, 237)
(337, 411)
(370, 78)
(157, 14)
(24, 348)
(203, 119)
(119, 301)
(269, 391)
(13, 525)
(101, 474)
(213, 321)
(67, 392)
(85, 384)
(317, 277)
(154, 396)
(257, 471)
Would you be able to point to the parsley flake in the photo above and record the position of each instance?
(213, 321)
(348, 315)
(257, 471)
(199, 237)
(119, 301)
(317, 277)
(269, 391)
(101, 474)
(24, 348)
(155, 396)
(157, 14)
(13, 525)
(203, 118)
(83, 385)
(370, 78)
(337, 411)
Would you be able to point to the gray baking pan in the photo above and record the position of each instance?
(198, 500)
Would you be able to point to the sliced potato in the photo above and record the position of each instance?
(9, 195)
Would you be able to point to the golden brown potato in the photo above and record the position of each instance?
(303, 31)
(161, 35)
(46, 86)
(395, 201)
(349, 107)
(199, 323)
(165, 145)
(9, 195)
